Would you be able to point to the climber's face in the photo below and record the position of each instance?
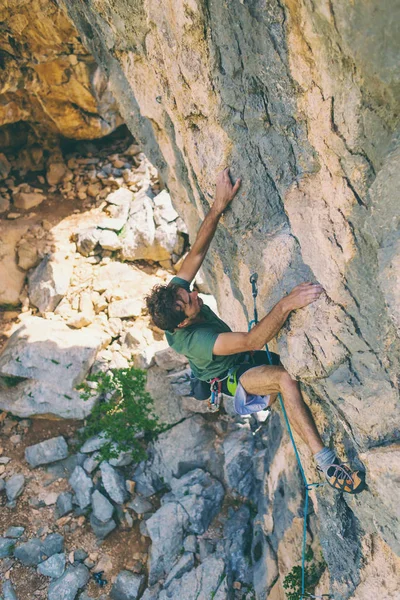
(191, 305)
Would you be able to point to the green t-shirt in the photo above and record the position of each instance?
(196, 342)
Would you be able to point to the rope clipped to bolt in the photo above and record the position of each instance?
(308, 486)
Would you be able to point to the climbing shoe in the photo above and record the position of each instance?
(343, 479)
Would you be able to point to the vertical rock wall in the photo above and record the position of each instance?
(301, 99)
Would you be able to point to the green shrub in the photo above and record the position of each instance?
(10, 381)
(124, 412)
(313, 572)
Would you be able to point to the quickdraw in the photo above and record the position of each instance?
(216, 394)
(215, 399)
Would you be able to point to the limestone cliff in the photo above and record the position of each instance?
(301, 99)
(49, 84)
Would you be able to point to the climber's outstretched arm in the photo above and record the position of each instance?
(269, 326)
(224, 194)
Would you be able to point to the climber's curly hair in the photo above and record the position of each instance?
(161, 304)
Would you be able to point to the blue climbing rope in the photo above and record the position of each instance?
(308, 486)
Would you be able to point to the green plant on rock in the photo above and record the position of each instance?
(312, 574)
(124, 413)
(10, 381)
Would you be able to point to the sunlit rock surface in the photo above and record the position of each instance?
(50, 83)
(301, 99)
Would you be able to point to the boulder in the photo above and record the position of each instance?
(27, 200)
(4, 204)
(49, 282)
(118, 209)
(64, 504)
(14, 486)
(87, 240)
(91, 463)
(12, 278)
(114, 483)
(66, 587)
(30, 553)
(28, 256)
(184, 447)
(6, 547)
(94, 443)
(46, 452)
(82, 486)
(140, 505)
(63, 469)
(114, 274)
(55, 173)
(123, 459)
(14, 532)
(146, 481)
(139, 232)
(206, 581)
(27, 398)
(163, 209)
(109, 240)
(53, 567)
(100, 529)
(53, 544)
(102, 508)
(167, 404)
(8, 591)
(166, 240)
(200, 495)
(42, 363)
(169, 359)
(127, 586)
(125, 308)
(166, 529)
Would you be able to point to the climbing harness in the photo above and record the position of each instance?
(308, 486)
(215, 399)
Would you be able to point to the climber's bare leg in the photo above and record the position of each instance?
(272, 380)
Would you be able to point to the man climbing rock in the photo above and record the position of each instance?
(221, 357)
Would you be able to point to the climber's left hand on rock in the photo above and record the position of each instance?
(225, 191)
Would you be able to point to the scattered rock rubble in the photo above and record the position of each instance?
(179, 508)
(82, 305)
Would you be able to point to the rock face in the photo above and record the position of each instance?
(41, 365)
(52, 84)
(290, 95)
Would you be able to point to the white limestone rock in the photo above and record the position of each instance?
(109, 240)
(125, 308)
(163, 209)
(49, 282)
(42, 363)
